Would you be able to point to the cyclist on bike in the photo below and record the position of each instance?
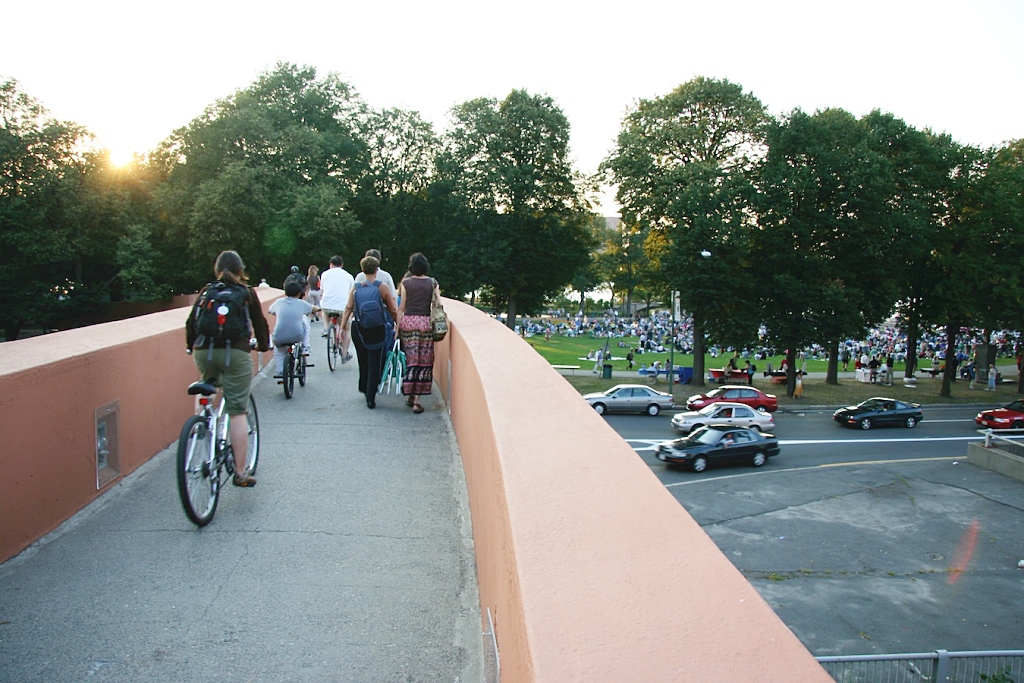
(229, 363)
(292, 327)
(335, 284)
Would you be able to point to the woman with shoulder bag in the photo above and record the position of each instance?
(416, 292)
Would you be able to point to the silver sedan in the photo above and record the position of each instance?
(729, 414)
(630, 398)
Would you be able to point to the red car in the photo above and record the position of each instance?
(1010, 416)
(755, 398)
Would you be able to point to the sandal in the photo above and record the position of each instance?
(243, 480)
(417, 408)
(410, 401)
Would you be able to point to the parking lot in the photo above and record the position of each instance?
(875, 557)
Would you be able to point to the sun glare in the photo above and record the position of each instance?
(121, 157)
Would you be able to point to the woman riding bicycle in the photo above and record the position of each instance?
(228, 363)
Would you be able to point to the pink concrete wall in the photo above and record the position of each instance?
(50, 387)
(592, 570)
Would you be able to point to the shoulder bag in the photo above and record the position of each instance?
(438, 318)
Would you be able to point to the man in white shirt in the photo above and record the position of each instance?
(382, 275)
(335, 285)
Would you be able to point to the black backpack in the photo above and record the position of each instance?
(222, 313)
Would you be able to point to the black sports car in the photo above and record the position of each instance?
(719, 444)
(879, 411)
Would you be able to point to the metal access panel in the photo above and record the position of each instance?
(108, 458)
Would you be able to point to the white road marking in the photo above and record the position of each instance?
(651, 444)
(804, 469)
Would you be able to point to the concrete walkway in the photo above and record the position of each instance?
(351, 560)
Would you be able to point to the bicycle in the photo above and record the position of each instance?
(205, 458)
(294, 368)
(333, 342)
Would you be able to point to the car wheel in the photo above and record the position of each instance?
(759, 459)
(700, 464)
(599, 407)
(695, 427)
(865, 423)
(762, 409)
(911, 422)
(653, 409)
(1017, 425)
(756, 428)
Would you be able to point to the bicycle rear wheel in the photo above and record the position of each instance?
(332, 349)
(288, 374)
(301, 372)
(252, 454)
(198, 486)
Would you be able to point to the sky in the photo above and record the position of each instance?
(133, 72)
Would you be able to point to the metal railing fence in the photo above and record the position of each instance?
(941, 666)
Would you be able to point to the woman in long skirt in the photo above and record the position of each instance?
(415, 293)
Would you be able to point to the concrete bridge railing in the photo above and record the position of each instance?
(590, 569)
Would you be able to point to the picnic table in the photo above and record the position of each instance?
(683, 375)
(717, 375)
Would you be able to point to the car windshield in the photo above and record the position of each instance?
(702, 436)
(1017, 405)
(709, 409)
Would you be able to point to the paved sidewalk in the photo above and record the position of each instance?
(351, 560)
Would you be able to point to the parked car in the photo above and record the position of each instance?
(755, 398)
(879, 411)
(627, 398)
(728, 414)
(718, 445)
(1010, 416)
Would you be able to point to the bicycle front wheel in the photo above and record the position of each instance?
(198, 486)
(252, 453)
(332, 349)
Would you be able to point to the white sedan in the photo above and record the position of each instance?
(729, 414)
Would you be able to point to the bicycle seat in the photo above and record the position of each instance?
(204, 388)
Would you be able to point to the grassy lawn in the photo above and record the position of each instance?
(569, 351)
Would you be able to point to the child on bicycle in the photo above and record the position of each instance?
(292, 327)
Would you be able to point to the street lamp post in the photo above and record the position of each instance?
(698, 337)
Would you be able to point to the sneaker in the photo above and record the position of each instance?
(305, 351)
(347, 358)
(244, 480)
(323, 336)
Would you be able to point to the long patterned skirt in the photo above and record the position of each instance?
(418, 344)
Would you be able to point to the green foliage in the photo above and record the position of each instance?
(526, 227)
(60, 211)
(268, 172)
(1002, 675)
(684, 166)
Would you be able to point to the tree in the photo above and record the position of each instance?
(270, 172)
(508, 166)
(684, 165)
(392, 197)
(59, 217)
(825, 237)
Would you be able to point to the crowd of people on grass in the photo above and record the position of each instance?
(882, 347)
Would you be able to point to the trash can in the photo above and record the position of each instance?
(607, 374)
(684, 375)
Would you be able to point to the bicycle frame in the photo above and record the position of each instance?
(218, 423)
